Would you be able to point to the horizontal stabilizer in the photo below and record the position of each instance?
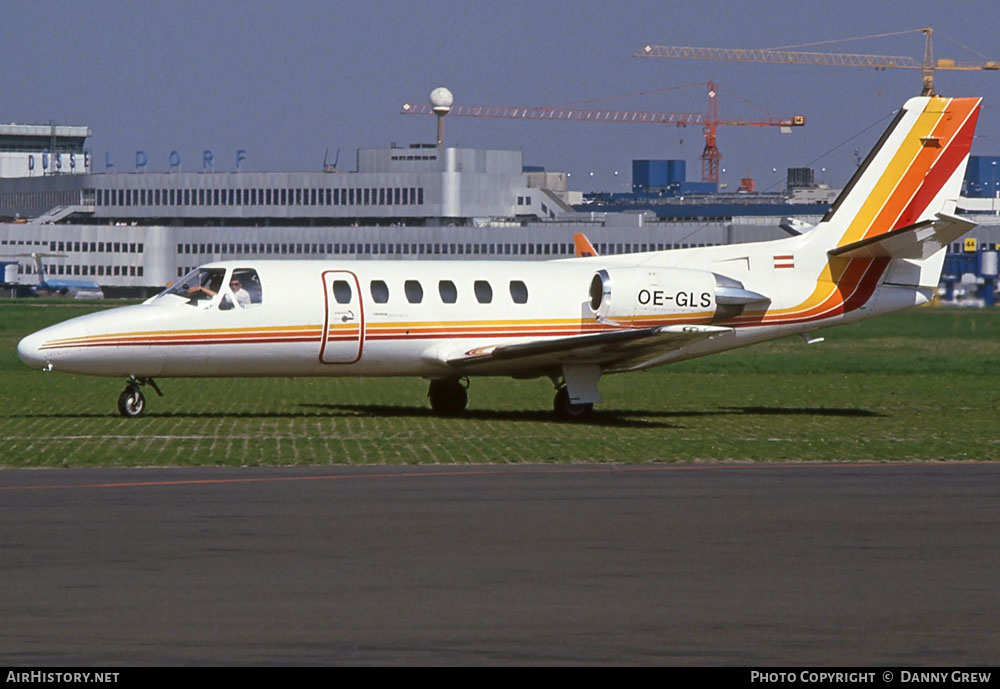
(918, 241)
(794, 226)
(606, 347)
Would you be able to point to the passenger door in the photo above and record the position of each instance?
(344, 322)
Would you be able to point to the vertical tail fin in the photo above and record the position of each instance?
(583, 246)
(913, 173)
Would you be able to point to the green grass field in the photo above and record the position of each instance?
(921, 385)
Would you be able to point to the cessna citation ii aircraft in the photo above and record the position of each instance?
(879, 249)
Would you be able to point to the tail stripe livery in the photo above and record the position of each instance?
(920, 152)
(934, 144)
(943, 169)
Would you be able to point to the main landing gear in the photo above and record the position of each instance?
(132, 403)
(448, 396)
(568, 411)
(576, 391)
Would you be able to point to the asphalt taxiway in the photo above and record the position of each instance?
(665, 564)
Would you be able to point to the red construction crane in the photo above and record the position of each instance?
(709, 121)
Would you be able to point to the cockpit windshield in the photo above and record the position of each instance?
(198, 285)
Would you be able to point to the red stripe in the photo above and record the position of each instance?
(940, 172)
(164, 343)
(867, 286)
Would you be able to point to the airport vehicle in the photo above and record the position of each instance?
(879, 249)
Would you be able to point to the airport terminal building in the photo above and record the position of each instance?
(146, 229)
(138, 231)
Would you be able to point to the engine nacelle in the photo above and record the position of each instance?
(627, 294)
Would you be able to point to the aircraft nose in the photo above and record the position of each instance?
(29, 350)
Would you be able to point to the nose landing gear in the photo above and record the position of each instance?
(132, 403)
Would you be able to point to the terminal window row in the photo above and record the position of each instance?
(364, 196)
(98, 247)
(416, 249)
(22, 242)
(377, 248)
(80, 247)
(85, 269)
(16, 200)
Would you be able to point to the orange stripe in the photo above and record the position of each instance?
(945, 130)
(902, 161)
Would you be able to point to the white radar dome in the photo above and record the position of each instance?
(441, 99)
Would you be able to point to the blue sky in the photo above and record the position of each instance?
(285, 81)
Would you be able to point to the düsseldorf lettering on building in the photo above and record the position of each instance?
(174, 159)
(57, 162)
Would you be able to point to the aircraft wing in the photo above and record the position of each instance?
(917, 241)
(599, 348)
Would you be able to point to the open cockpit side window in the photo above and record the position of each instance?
(244, 290)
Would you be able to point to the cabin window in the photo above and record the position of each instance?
(342, 291)
(414, 292)
(448, 292)
(518, 292)
(484, 293)
(380, 291)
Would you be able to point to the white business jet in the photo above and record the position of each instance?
(879, 249)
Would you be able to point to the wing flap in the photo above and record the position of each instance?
(598, 348)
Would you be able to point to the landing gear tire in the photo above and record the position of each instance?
(448, 397)
(131, 403)
(567, 410)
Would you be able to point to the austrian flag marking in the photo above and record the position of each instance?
(784, 261)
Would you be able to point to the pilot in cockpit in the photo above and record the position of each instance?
(209, 287)
(241, 295)
(244, 288)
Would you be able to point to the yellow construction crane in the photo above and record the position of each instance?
(793, 57)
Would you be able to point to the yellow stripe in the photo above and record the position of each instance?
(149, 333)
(472, 324)
(894, 172)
